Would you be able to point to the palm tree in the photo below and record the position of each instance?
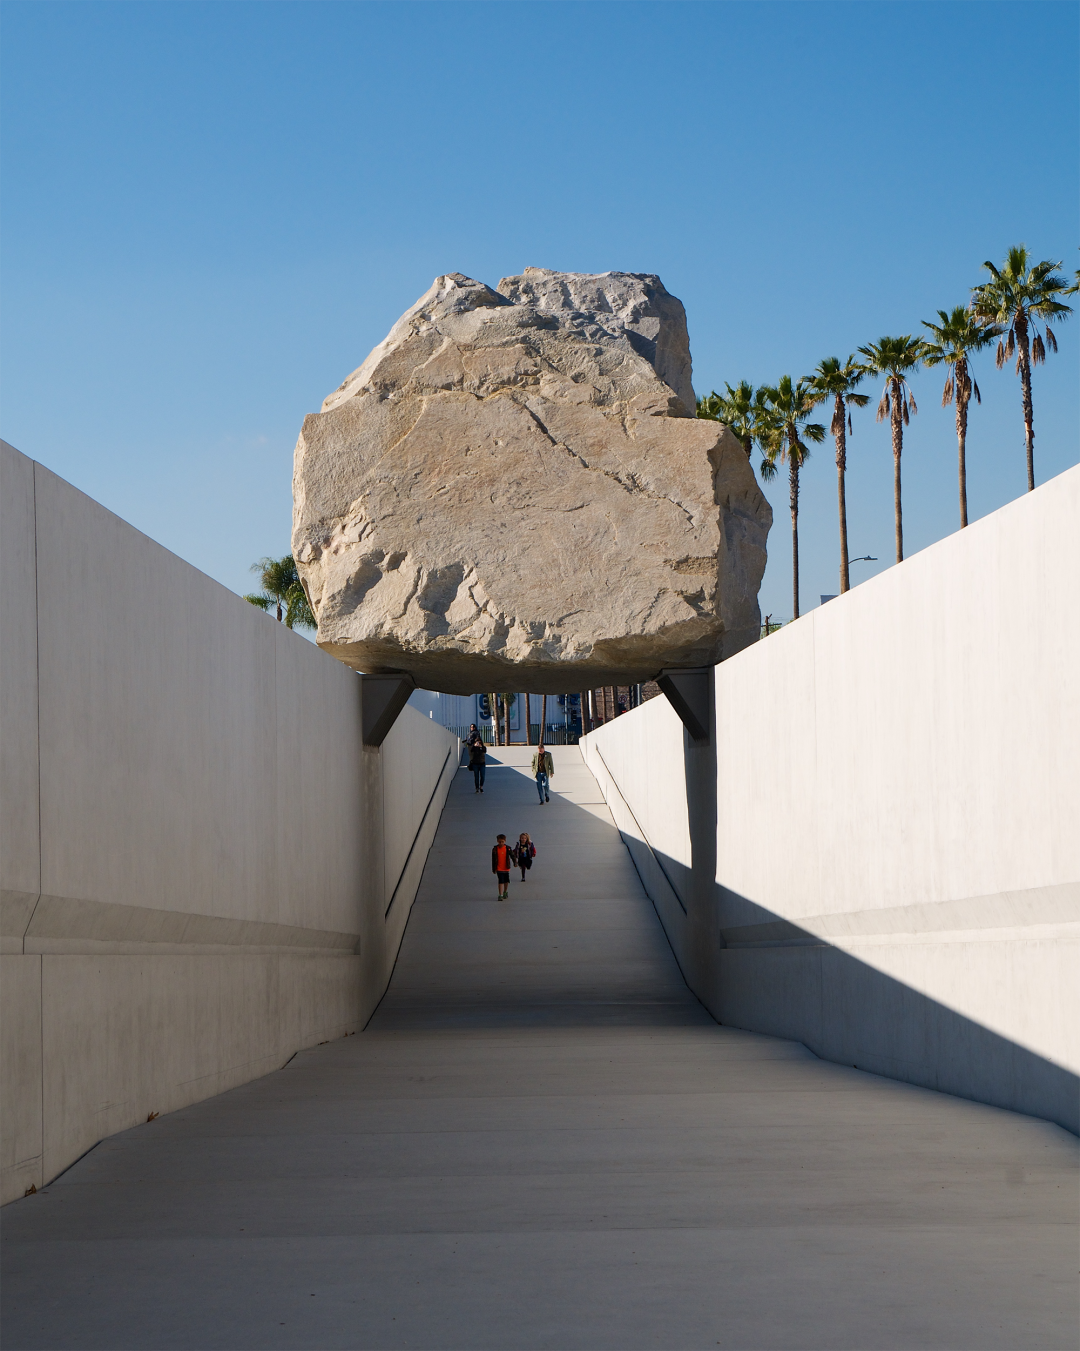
(895, 359)
(506, 702)
(954, 339)
(493, 705)
(787, 405)
(281, 588)
(834, 381)
(739, 408)
(1015, 297)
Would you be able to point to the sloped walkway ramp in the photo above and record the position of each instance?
(542, 1140)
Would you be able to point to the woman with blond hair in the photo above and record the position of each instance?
(524, 853)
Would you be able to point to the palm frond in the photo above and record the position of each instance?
(892, 357)
(947, 393)
(1016, 260)
(298, 612)
(263, 602)
(959, 333)
(276, 575)
(833, 377)
(975, 391)
(740, 409)
(1017, 289)
(1051, 339)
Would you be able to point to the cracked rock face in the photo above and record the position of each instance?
(512, 493)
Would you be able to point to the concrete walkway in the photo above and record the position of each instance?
(542, 1140)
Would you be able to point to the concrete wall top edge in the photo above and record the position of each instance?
(1063, 490)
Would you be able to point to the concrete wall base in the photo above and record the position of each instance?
(94, 1045)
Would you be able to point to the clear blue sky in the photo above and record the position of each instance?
(211, 212)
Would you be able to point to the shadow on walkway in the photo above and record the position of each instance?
(542, 1140)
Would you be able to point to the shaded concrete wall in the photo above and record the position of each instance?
(198, 853)
(879, 855)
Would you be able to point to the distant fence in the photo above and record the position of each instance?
(555, 734)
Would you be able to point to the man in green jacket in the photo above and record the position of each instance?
(543, 768)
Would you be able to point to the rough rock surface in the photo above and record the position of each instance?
(616, 305)
(511, 493)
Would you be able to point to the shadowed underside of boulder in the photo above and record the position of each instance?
(512, 493)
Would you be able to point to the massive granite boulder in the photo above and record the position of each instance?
(512, 493)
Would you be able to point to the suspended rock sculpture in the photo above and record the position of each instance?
(512, 492)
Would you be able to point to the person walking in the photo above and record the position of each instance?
(543, 768)
(502, 860)
(478, 761)
(524, 853)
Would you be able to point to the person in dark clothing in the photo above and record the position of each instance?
(478, 761)
(502, 860)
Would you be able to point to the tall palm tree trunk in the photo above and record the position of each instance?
(585, 724)
(897, 451)
(841, 497)
(1025, 387)
(793, 498)
(543, 715)
(960, 380)
(506, 719)
(528, 720)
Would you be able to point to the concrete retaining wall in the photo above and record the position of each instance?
(198, 854)
(881, 856)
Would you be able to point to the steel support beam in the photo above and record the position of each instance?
(382, 699)
(689, 691)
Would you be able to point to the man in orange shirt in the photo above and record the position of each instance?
(502, 859)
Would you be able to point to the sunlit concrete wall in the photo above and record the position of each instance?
(881, 857)
(198, 854)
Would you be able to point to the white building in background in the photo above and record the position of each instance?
(459, 711)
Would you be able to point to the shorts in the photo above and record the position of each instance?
(504, 878)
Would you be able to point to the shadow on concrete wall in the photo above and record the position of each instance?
(754, 969)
